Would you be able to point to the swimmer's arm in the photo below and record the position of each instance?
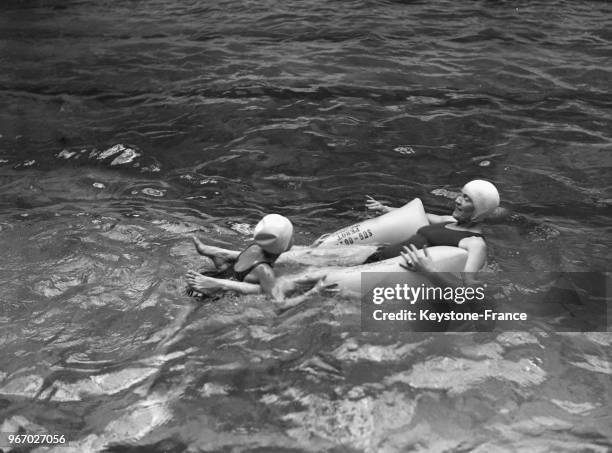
(240, 287)
(375, 205)
(476, 259)
(267, 282)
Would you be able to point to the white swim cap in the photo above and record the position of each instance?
(484, 195)
(273, 233)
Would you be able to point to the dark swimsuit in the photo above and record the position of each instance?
(249, 259)
(429, 235)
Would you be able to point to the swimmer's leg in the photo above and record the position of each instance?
(202, 283)
(222, 258)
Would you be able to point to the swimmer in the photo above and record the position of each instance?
(478, 201)
(251, 270)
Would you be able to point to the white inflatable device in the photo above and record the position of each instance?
(348, 279)
(392, 228)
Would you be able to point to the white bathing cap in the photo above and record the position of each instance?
(273, 233)
(484, 196)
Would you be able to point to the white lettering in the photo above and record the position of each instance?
(377, 293)
(504, 316)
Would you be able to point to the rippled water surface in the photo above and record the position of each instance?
(126, 127)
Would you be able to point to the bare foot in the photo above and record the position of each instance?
(202, 283)
(219, 257)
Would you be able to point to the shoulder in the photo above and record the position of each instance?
(262, 269)
(473, 243)
(260, 272)
(476, 253)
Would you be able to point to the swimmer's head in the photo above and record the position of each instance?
(274, 234)
(478, 199)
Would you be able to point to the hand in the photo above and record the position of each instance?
(375, 205)
(282, 305)
(285, 286)
(417, 262)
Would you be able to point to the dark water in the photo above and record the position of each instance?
(128, 126)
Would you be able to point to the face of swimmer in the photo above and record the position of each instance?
(464, 208)
(478, 199)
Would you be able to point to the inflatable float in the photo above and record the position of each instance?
(391, 228)
(348, 279)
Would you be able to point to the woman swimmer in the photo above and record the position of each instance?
(478, 200)
(250, 270)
